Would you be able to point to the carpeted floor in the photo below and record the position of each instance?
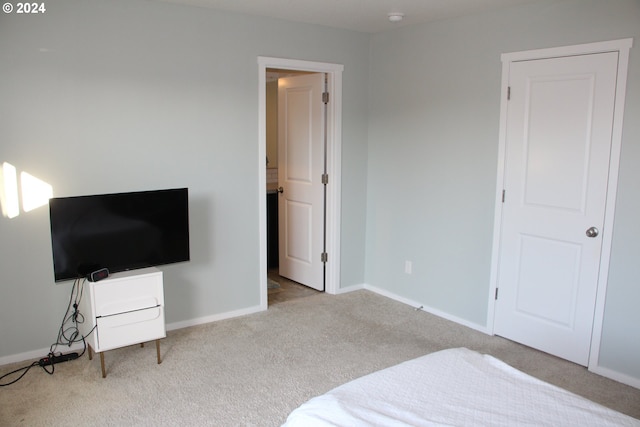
(253, 370)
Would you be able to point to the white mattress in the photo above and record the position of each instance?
(452, 387)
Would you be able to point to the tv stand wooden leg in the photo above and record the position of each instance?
(158, 351)
(104, 372)
(90, 353)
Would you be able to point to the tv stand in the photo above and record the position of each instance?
(125, 309)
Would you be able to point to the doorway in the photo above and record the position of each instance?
(301, 190)
(333, 155)
(295, 191)
(560, 137)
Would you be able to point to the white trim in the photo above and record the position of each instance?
(612, 189)
(616, 376)
(497, 220)
(421, 307)
(35, 355)
(579, 49)
(351, 288)
(78, 347)
(334, 160)
(621, 46)
(213, 318)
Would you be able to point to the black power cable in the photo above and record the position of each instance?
(68, 334)
(25, 369)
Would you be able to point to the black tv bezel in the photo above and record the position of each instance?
(65, 275)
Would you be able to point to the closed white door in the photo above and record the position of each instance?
(558, 142)
(301, 165)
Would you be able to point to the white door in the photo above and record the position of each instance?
(558, 142)
(301, 165)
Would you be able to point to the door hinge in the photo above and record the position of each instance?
(324, 257)
(503, 193)
(508, 93)
(496, 297)
(325, 178)
(325, 97)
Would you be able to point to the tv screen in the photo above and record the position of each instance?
(123, 231)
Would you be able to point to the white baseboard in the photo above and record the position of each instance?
(213, 318)
(599, 370)
(349, 289)
(616, 376)
(428, 309)
(35, 355)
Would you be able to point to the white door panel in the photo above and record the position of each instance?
(299, 217)
(558, 142)
(547, 283)
(301, 165)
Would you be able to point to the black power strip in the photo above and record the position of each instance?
(52, 360)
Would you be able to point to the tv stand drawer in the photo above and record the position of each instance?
(130, 328)
(129, 291)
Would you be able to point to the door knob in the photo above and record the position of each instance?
(592, 232)
(280, 190)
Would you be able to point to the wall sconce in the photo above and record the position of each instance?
(395, 16)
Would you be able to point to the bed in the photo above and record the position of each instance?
(452, 387)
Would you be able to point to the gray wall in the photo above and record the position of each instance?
(120, 95)
(128, 95)
(433, 141)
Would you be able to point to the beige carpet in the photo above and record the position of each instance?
(252, 371)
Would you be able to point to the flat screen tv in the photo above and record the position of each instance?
(123, 231)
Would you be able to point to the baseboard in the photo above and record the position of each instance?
(35, 355)
(350, 289)
(213, 318)
(428, 309)
(599, 370)
(616, 376)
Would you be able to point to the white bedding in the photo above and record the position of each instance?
(452, 387)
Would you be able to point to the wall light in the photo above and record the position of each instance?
(395, 16)
(35, 192)
(9, 191)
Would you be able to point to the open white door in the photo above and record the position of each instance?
(301, 165)
(558, 143)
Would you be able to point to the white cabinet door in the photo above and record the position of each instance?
(558, 142)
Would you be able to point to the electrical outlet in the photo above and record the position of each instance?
(408, 267)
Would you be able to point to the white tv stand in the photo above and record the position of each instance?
(124, 309)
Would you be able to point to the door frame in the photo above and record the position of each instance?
(334, 158)
(621, 46)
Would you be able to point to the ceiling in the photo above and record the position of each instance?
(369, 16)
